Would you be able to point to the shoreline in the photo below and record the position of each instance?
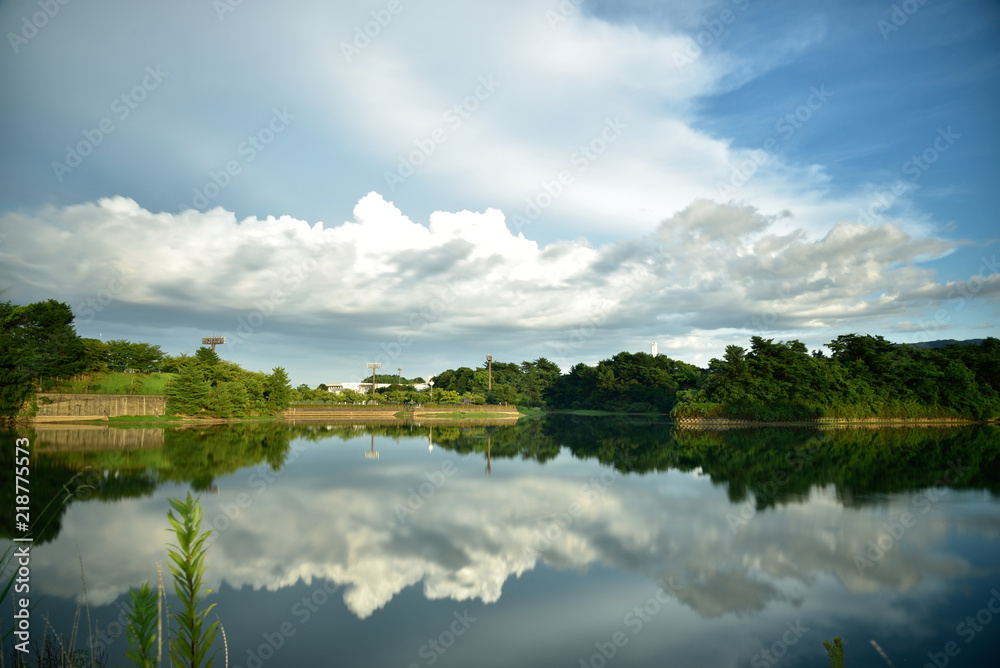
(485, 417)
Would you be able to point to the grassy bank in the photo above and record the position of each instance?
(110, 382)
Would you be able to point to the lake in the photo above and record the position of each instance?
(564, 541)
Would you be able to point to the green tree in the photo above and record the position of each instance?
(446, 396)
(187, 394)
(122, 355)
(95, 354)
(207, 356)
(38, 345)
(277, 391)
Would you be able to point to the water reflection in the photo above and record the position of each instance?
(738, 522)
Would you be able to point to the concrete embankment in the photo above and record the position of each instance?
(825, 423)
(338, 412)
(68, 407)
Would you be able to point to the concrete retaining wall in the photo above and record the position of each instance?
(96, 406)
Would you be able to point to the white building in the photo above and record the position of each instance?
(366, 387)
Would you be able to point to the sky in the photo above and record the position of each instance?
(422, 184)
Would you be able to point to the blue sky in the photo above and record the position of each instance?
(519, 179)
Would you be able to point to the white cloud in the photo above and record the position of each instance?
(713, 268)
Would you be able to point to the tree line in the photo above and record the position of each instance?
(864, 376)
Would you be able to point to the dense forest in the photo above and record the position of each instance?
(863, 377)
(866, 376)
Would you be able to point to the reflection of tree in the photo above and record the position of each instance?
(781, 465)
(55, 484)
(197, 456)
(774, 466)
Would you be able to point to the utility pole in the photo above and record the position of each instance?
(489, 378)
(373, 366)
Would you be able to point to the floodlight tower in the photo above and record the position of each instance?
(489, 377)
(373, 366)
(373, 453)
(213, 341)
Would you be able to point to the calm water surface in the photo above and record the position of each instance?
(568, 541)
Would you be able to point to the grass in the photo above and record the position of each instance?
(142, 419)
(110, 382)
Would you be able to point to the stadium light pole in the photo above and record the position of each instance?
(373, 366)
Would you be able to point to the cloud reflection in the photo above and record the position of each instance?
(333, 520)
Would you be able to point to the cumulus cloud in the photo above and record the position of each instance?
(711, 266)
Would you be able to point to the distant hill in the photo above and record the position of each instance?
(941, 343)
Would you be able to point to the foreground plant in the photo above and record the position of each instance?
(143, 618)
(193, 639)
(835, 652)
